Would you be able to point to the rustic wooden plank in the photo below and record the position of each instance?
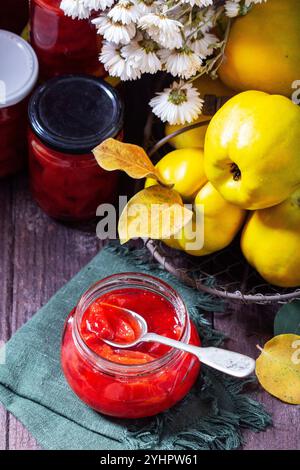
(246, 327)
(3, 428)
(284, 435)
(6, 280)
(46, 255)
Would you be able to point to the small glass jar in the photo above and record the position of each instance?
(18, 75)
(129, 391)
(63, 45)
(69, 116)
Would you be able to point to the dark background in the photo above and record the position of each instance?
(13, 15)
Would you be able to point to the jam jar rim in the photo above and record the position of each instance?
(74, 146)
(112, 368)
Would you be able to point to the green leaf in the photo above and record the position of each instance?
(287, 320)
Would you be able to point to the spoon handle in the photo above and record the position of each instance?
(229, 362)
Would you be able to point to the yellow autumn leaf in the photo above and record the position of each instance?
(156, 212)
(278, 368)
(115, 155)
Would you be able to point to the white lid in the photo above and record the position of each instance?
(18, 69)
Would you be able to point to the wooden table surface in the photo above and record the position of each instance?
(39, 255)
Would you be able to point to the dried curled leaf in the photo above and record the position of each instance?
(115, 155)
(155, 212)
(278, 368)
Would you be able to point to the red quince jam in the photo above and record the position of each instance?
(103, 322)
(136, 382)
(68, 187)
(108, 323)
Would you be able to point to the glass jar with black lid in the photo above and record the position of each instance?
(69, 116)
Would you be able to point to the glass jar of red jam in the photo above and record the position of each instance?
(18, 75)
(63, 45)
(69, 116)
(139, 381)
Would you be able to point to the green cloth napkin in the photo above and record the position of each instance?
(33, 388)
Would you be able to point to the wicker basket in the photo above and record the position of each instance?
(224, 274)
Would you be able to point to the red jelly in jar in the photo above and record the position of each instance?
(69, 116)
(140, 381)
(18, 75)
(63, 45)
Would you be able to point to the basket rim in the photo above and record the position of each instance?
(153, 247)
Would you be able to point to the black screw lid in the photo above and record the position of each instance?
(75, 113)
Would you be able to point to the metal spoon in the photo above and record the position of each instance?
(229, 362)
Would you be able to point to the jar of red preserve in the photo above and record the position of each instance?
(69, 116)
(139, 381)
(18, 75)
(63, 45)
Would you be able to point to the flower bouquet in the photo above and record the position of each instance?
(185, 38)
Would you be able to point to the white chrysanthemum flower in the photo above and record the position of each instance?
(129, 73)
(232, 8)
(199, 3)
(248, 3)
(125, 12)
(207, 21)
(147, 6)
(114, 32)
(145, 55)
(183, 63)
(147, 36)
(178, 104)
(116, 64)
(205, 46)
(75, 9)
(110, 54)
(98, 4)
(163, 30)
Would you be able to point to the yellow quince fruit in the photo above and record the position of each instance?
(271, 242)
(252, 150)
(195, 138)
(184, 169)
(217, 224)
(262, 52)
